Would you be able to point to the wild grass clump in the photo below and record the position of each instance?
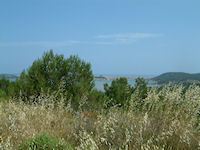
(166, 119)
(44, 142)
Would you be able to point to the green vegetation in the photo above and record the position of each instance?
(73, 78)
(5, 88)
(140, 93)
(44, 142)
(119, 92)
(55, 96)
(52, 71)
(141, 88)
(177, 77)
(3, 94)
(4, 85)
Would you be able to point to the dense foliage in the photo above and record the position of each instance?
(73, 79)
(119, 92)
(141, 88)
(51, 71)
(6, 88)
(44, 142)
(4, 85)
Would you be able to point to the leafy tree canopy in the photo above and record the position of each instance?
(4, 84)
(141, 88)
(51, 71)
(119, 91)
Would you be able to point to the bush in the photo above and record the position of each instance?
(44, 142)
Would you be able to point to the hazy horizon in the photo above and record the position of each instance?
(133, 37)
(118, 75)
(114, 75)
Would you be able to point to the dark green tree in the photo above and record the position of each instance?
(4, 85)
(141, 88)
(119, 92)
(51, 71)
(139, 94)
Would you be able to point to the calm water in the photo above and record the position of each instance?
(99, 84)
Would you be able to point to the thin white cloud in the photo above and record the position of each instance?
(129, 36)
(104, 43)
(41, 43)
(115, 42)
(124, 38)
(108, 39)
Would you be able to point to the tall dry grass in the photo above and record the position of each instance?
(168, 120)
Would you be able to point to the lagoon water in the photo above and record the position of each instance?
(99, 84)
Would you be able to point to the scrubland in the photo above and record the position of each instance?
(168, 119)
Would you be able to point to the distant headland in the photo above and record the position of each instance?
(177, 77)
(113, 77)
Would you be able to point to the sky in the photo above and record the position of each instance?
(122, 37)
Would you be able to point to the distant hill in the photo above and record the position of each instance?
(10, 77)
(101, 77)
(177, 77)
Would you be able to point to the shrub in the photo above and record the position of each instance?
(44, 142)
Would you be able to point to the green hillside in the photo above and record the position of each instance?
(177, 77)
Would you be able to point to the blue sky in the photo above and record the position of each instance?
(132, 37)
